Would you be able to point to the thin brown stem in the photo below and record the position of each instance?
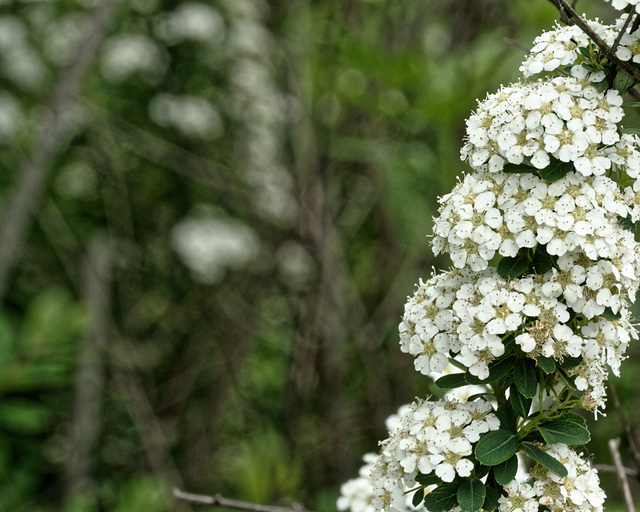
(219, 501)
(614, 448)
(608, 468)
(622, 31)
(54, 126)
(633, 450)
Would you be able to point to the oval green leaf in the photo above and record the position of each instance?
(542, 457)
(418, 496)
(506, 471)
(471, 494)
(510, 268)
(547, 364)
(556, 170)
(491, 500)
(568, 429)
(520, 404)
(454, 380)
(525, 377)
(496, 447)
(442, 498)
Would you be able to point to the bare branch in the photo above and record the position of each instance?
(614, 446)
(517, 44)
(219, 501)
(89, 380)
(54, 126)
(569, 16)
(613, 469)
(633, 450)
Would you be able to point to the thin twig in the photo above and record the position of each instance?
(89, 381)
(517, 44)
(614, 446)
(55, 125)
(633, 450)
(608, 468)
(569, 16)
(622, 31)
(219, 501)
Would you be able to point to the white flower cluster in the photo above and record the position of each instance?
(466, 315)
(560, 48)
(545, 267)
(578, 491)
(565, 118)
(489, 213)
(432, 437)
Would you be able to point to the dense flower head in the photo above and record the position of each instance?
(467, 315)
(497, 213)
(564, 118)
(432, 437)
(579, 491)
(545, 269)
(561, 48)
(565, 46)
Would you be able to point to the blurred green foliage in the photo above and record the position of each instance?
(324, 129)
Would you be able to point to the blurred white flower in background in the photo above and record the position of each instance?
(128, 54)
(192, 21)
(191, 115)
(295, 265)
(11, 116)
(18, 61)
(208, 244)
(76, 180)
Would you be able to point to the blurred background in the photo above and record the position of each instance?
(212, 213)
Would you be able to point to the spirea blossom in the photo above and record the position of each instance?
(579, 491)
(432, 437)
(562, 118)
(536, 309)
(497, 213)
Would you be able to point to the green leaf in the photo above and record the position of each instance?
(507, 417)
(509, 344)
(585, 51)
(418, 496)
(454, 380)
(511, 268)
(609, 314)
(520, 404)
(623, 81)
(472, 379)
(491, 499)
(568, 429)
(499, 369)
(600, 86)
(533, 437)
(471, 494)
(568, 380)
(542, 457)
(525, 377)
(442, 498)
(427, 480)
(506, 471)
(627, 224)
(24, 417)
(495, 447)
(473, 398)
(632, 104)
(542, 260)
(570, 362)
(547, 364)
(556, 170)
